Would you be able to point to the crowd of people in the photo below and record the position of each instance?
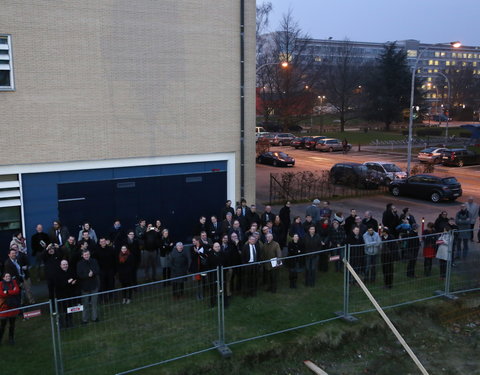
(84, 263)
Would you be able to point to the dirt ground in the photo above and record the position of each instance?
(444, 334)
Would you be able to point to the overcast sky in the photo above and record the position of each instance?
(429, 21)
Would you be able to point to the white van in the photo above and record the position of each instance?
(260, 129)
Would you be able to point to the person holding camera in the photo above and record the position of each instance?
(9, 301)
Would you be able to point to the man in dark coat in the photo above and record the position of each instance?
(253, 216)
(313, 243)
(390, 219)
(179, 265)
(251, 253)
(39, 242)
(105, 255)
(52, 256)
(88, 271)
(214, 229)
(58, 233)
(226, 209)
(216, 259)
(65, 287)
(117, 236)
(369, 221)
(267, 215)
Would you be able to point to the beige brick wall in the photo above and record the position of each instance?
(98, 79)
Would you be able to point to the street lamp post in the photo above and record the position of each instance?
(284, 65)
(412, 92)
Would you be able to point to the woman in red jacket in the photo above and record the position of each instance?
(9, 301)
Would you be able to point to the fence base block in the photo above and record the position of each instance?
(223, 349)
(447, 296)
(348, 318)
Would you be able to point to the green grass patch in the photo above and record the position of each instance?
(155, 327)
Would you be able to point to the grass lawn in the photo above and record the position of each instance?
(155, 327)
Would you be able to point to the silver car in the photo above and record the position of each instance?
(329, 144)
(388, 170)
(431, 154)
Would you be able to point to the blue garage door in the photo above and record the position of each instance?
(177, 201)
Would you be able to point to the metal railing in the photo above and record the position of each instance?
(195, 313)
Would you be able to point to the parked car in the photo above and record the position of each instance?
(440, 118)
(298, 142)
(330, 144)
(261, 135)
(388, 170)
(431, 154)
(281, 139)
(266, 135)
(260, 129)
(459, 157)
(311, 142)
(427, 186)
(355, 174)
(276, 158)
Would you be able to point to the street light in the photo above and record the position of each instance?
(412, 91)
(284, 65)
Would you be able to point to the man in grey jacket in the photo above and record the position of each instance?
(314, 211)
(372, 245)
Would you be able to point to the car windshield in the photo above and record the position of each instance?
(449, 180)
(391, 168)
(430, 149)
(282, 155)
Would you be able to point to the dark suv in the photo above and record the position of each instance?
(427, 186)
(459, 157)
(355, 174)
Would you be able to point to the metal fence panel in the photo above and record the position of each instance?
(465, 264)
(33, 338)
(265, 300)
(165, 320)
(404, 270)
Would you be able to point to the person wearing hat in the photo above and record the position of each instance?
(314, 211)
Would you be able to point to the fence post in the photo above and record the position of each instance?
(220, 343)
(446, 293)
(346, 287)
(57, 356)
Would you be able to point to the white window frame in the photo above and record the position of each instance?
(9, 63)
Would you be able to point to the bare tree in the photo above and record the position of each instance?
(287, 92)
(342, 76)
(464, 92)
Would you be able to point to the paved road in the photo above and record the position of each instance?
(315, 161)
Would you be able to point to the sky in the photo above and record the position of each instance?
(428, 21)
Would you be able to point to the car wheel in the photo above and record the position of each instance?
(280, 143)
(330, 149)
(435, 197)
(259, 160)
(275, 163)
(396, 191)
(296, 147)
(460, 163)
